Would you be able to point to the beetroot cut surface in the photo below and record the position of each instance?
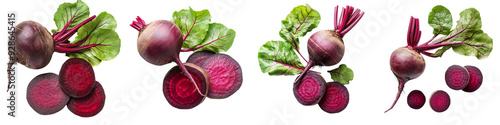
(199, 57)
(44, 94)
(440, 101)
(89, 105)
(225, 75)
(456, 77)
(180, 92)
(310, 89)
(335, 99)
(475, 79)
(77, 77)
(416, 99)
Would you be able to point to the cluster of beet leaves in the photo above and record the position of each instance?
(325, 48)
(75, 86)
(207, 72)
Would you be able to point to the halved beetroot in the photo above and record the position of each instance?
(456, 77)
(335, 99)
(199, 57)
(45, 95)
(475, 79)
(180, 92)
(77, 77)
(225, 75)
(89, 105)
(310, 89)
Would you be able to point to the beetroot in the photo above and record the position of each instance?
(225, 75)
(91, 104)
(456, 77)
(44, 94)
(34, 45)
(180, 92)
(77, 77)
(197, 58)
(159, 42)
(416, 99)
(335, 99)
(440, 101)
(475, 79)
(310, 89)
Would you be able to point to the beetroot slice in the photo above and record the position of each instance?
(416, 99)
(440, 101)
(199, 57)
(89, 105)
(310, 89)
(475, 79)
(225, 75)
(456, 77)
(335, 99)
(77, 77)
(45, 95)
(180, 92)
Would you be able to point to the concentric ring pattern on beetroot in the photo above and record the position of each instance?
(225, 74)
(475, 79)
(89, 105)
(456, 77)
(199, 57)
(44, 94)
(440, 101)
(77, 77)
(416, 99)
(180, 92)
(335, 99)
(310, 89)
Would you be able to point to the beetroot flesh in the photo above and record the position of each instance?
(457, 77)
(160, 42)
(44, 94)
(309, 89)
(225, 75)
(440, 101)
(77, 77)
(178, 89)
(199, 57)
(34, 45)
(89, 105)
(335, 99)
(416, 99)
(475, 79)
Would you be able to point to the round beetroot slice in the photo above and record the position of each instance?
(440, 101)
(77, 77)
(225, 74)
(416, 99)
(180, 92)
(45, 95)
(335, 99)
(199, 57)
(475, 80)
(456, 77)
(310, 89)
(91, 104)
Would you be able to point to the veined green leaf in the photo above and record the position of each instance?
(342, 74)
(279, 58)
(193, 24)
(441, 20)
(219, 38)
(298, 22)
(103, 21)
(107, 46)
(71, 13)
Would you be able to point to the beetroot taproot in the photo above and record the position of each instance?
(180, 92)
(45, 95)
(91, 104)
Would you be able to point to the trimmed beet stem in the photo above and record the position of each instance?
(71, 45)
(60, 49)
(400, 89)
(138, 24)
(179, 62)
(309, 65)
(348, 19)
(71, 32)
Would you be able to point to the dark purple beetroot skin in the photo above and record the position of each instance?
(225, 75)
(325, 48)
(77, 77)
(34, 45)
(159, 42)
(440, 101)
(456, 77)
(335, 99)
(199, 57)
(310, 89)
(180, 92)
(406, 63)
(416, 99)
(475, 79)
(44, 94)
(89, 105)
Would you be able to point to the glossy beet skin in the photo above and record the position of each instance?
(325, 48)
(34, 45)
(159, 42)
(406, 63)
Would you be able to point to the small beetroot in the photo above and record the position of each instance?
(44, 94)
(440, 101)
(335, 99)
(416, 99)
(199, 57)
(91, 104)
(456, 77)
(77, 77)
(310, 89)
(178, 89)
(475, 79)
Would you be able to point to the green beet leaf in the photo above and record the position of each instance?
(107, 46)
(440, 19)
(279, 58)
(219, 38)
(193, 24)
(342, 74)
(298, 22)
(71, 13)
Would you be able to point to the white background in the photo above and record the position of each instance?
(133, 86)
